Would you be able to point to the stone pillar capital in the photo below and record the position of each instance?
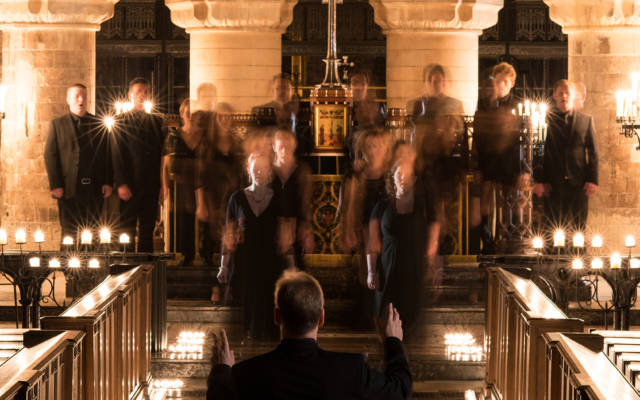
(55, 13)
(232, 15)
(591, 15)
(435, 15)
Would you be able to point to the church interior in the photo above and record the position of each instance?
(504, 304)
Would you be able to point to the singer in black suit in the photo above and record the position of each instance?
(298, 368)
(78, 166)
(138, 139)
(569, 174)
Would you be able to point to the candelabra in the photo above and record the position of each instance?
(628, 109)
(574, 275)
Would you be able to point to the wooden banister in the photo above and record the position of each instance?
(49, 369)
(116, 318)
(583, 371)
(518, 313)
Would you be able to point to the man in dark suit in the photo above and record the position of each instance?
(138, 139)
(569, 174)
(77, 163)
(298, 368)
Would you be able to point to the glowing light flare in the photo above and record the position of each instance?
(634, 263)
(558, 238)
(3, 237)
(109, 122)
(74, 262)
(597, 263)
(124, 239)
(577, 264)
(21, 236)
(86, 237)
(94, 263)
(629, 241)
(54, 263)
(538, 242)
(67, 241)
(105, 236)
(596, 242)
(3, 96)
(148, 107)
(34, 262)
(615, 261)
(168, 384)
(578, 240)
(463, 347)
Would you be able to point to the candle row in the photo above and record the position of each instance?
(73, 263)
(559, 240)
(86, 237)
(615, 262)
(537, 113)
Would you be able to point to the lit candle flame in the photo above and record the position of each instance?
(94, 263)
(615, 261)
(54, 263)
(67, 241)
(74, 262)
(577, 264)
(538, 243)
(558, 238)
(38, 236)
(578, 240)
(634, 263)
(3, 237)
(86, 237)
(105, 236)
(21, 236)
(630, 241)
(148, 107)
(109, 122)
(124, 238)
(596, 242)
(34, 262)
(596, 263)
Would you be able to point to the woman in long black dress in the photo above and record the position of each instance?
(249, 254)
(399, 235)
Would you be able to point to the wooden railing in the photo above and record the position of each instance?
(518, 313)
(116, 318)
(49, 366)
(579, 369)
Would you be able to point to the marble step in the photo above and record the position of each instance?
(196, 388)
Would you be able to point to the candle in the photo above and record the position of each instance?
(34, 262)
(119, 107)
(74, 262)
(94, 263)
(578, 240)
(148, 106)
(538, 243)
(519, 108)
(105, 236)
(629, 241)
(596, 263)
(3, 237)
(558, 238)
(21, 236)
(54, 263)
(38, 236)
(86, 237)
(634, 263)
(67, 241)
(615, 261)
(596, 242)
(108, 122)
(527, 107)
(124, 238)
(576, 264)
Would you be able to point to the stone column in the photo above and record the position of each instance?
(46, 46)
(603, 52)
(422, 32)
(236, 48)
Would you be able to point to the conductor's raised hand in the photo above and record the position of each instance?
(224, 352)
(393, 327)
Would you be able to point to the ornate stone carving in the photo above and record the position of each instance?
(241, 15)
(403, 15)
(85, 12)
(587, 14)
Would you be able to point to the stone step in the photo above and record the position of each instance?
(196, 388)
